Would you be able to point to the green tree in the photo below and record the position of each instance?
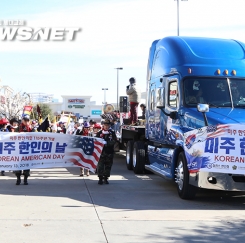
(45, 111)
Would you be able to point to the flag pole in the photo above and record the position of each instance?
(68, 121)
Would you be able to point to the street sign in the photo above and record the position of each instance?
(96, 112)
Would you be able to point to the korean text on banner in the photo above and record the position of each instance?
(216, 148)
(21, 151)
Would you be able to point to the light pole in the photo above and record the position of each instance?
(178, 15)
(104, 94)
(119, 68)
(28, 97)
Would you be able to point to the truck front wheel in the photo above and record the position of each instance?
(185, 190)
(129, 154)
(139, 158)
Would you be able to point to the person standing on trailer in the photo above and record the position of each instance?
(134, 96)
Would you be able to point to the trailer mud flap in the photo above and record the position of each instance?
(116, 147)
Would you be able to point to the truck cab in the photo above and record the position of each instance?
(192, 82)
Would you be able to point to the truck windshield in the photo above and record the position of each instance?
(227, 92)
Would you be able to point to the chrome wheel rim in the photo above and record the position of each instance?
(134, 157)
(128, 155)
(180, 175)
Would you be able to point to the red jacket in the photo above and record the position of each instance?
(24, 128)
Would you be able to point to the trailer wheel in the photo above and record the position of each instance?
(185, 190)
(129, 154)
(139, 157)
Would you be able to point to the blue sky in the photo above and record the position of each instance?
(115, 33)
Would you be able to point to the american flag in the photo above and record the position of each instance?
(217, 130)
(84, 151)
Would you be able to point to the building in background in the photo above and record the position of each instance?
(79, 106)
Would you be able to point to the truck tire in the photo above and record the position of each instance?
(139, 157)
(185, 190)
(129, 155)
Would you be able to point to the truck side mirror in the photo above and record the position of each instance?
(172, 114)
(203, 108)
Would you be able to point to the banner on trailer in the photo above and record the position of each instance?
(21, 151)
(216, 148)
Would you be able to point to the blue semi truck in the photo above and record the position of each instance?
(192, 82)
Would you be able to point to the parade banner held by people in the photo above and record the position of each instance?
(23, 151)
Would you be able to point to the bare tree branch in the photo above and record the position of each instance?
(12, 105)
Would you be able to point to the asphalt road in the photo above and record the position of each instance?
(59, 206)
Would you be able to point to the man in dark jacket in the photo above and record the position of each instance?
(106, 157)
(25, 126)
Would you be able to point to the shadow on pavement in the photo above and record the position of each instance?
(126, 190)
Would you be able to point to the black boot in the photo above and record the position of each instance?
(25, 180)
(106, 180)
(100, 182)
(18, 180)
